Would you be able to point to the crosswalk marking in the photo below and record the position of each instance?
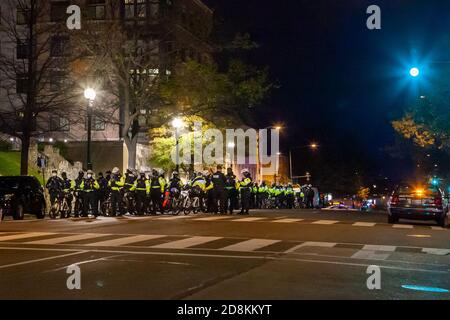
(370, 255)
(438, 228)
(186, 243)
(288, 220)
(325, 222)
(312, 244)
(250, 245)
(211, 218)
(403, 226)
(63, 239)
(364, 224)
(249, 219)
(25, 235)
(125, 240)
(440, 252)
(373, 247)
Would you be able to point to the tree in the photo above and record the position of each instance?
(33, 80)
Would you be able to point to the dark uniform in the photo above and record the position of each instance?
(219, 192)
(157, 186)
(79, 200)
(115, 185)
(68, 186)
(129, 190)
(142, 189)
(245, 185)
(89, 187)
(231, 186)
(55, 186)
(102, 192)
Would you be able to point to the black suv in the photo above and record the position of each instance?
(20, 195)
(423, 202)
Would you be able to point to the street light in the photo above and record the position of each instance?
(177, 123)
(414, 72)
(312, 146)
(90, 95)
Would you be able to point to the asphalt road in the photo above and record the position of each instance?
(287, 254)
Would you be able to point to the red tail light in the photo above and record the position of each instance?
(394, 200)
(438, 202)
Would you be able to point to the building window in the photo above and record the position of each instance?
(59, 46)
(57, 79)
(22, 83)
(58, 11)
(135, 9)
(58, 123)
(96, 10)
(22, 15)
(22, 49)
(98, 124)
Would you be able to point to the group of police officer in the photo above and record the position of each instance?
(140, 194)
(284, 196)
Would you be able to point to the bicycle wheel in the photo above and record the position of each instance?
(54, 210)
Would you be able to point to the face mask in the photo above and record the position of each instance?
(89, 176)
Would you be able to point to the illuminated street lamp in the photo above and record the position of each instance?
(177, 123)
(90, 95)
(414, 72)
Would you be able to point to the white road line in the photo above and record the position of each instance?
(211, 218)
(364, 224)
(438, 228)
(229, 256)
(250, 245)
(325, 222)
(373, 247)
(370, 255)
(248, 219)
(76, 237)
(288, 220)
(25, 235)
(124, 241)
(172, 217)
(440, 252)
(42, 259)
(402, 226)
(185, 243)
(312, 244)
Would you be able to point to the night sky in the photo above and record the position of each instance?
(340, 83)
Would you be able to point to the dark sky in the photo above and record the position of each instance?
(341, 84)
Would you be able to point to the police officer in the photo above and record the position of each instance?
(79, 200)
(245, 185)
(55, 186)
(219, 192)
(142, 189)
(261, 195)
(232, 186)
(102, 192)
(209, 194)
(157, 187)
(115, 185)
(290, 196)
(89, 186)
(128, 190)
(68, 186)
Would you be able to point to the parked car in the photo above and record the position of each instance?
(20, 195)
(421, 202)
